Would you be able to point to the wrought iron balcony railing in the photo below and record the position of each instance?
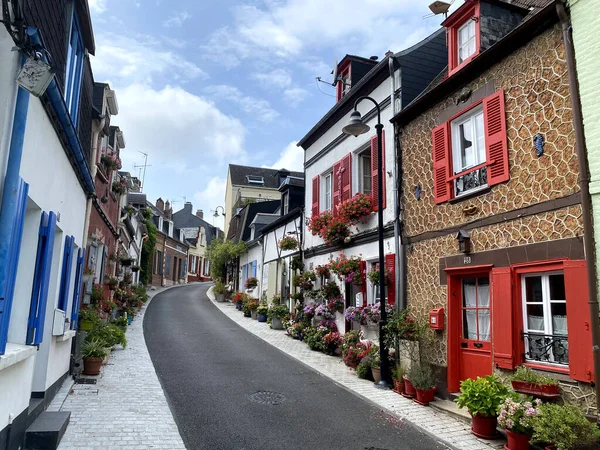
(549, 348)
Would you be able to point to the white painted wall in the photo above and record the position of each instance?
(271, 239)
(8, 95)
(15, 388)
(254, 253)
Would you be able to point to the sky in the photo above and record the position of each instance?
(205, 83)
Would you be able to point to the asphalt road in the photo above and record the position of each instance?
(210, 368)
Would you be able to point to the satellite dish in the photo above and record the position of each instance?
(335, 73)
(439, 7)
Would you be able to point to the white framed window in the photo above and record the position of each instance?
(466, 41)
(373, 290)
(545, 318)
(468, 151)
(365, 173)
(327, 191)
(255, 179)
(286, 202)
(74, 68)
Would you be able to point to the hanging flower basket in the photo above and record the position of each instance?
(373, 275)
(356, 210)
(323, 271)
(110, 162)
(118, 187)
(348, 269)
(251, 282)
(288, 243)
(335, 232)
(126, 261)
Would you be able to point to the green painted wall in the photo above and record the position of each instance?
(585, 19)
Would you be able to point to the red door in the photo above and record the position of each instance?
(475, 353)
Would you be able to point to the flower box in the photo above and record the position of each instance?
(425, 396)
(547, 391)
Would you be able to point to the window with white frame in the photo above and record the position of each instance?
(468, 151)
(74, 68)
(327, 191)
(373, 291)
(545, 318)
(286, 202)
(365, 173)
(466, 41)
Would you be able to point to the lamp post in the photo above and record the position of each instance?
(216, 214)
(356, 127)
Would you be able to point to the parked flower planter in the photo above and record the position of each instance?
(276, 324)
(91, 366)
(376, 371)
(516, 441)
(398, 387)
(425, 396)
(484, 427)
(261, 317)
(254, 314)
(409, 389)
(220, 298)
(547, 391)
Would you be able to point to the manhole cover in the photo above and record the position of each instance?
(267, 398)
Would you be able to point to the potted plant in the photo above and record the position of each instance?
(87, 274)
(516, 415)
(564, 426)
(276, 313)
(482, 398)
(238, 299)
(323, 271)
(373, 275)
(409, 389)
(398, 377)
(135, 268)
(528, 382)
(126, 260)
(246, 308)
(97, 296)
(93, 353)
(356, 209)
(288, 243)
(421, 377)
(219, 290)
(112, 283)
(88, 318)
(376, 367)
(261, 312)
(332, 342)
(119, 187)
(251, 282)
(253, 306)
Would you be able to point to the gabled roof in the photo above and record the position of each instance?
(185, 218)
(247, 215)
(239, 175)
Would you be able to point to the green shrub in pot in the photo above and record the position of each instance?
(483, 396)
(564, 426)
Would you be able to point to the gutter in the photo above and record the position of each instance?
(64, 117)
(586, 202)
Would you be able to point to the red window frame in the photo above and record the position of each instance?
(469, 11)
(344, 71)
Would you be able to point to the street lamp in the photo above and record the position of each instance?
(356, 127)
(216, 214)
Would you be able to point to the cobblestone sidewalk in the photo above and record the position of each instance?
(126, 408)
(441, 426)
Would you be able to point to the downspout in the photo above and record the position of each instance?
(586, 203)
(398, 249)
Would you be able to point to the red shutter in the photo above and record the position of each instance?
(363, 287)
(315, 195)
(346, 191)
(496, 148)
(502, 319)
(337, 186)
(390, 264)
(374, 171)
(581, 358)
(441, 163)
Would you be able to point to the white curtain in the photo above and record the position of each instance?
(559, 324)
(535, 323)
(471, 317)
(484, 295)
(470, 294)
(484, 325)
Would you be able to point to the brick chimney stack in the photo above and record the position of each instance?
(200, 213)
(160, 204)
(168, 211)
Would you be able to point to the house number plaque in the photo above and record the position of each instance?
(467, 260)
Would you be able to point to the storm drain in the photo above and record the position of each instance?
(85, 381)
(267, 398)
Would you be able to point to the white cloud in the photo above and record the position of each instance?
(279, 78)
(98, 6)
(174, 42)
(140, 59)
(177, 19)
(260, 108)
(295, 96)
(291, 158)
(208, 199)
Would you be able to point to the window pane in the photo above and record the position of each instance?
(470, 324)
(483, 316)
(366, 175)
(480, 138)
(535, 318)
(469, 293)
(557, 287)
(559, 318)
(483, 293)
(533, 289)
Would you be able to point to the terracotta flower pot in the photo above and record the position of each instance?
(536, 389)
(376, 371)
(484, 427)
(91, 366)
(425, 396)
(409, 389)
(516, 441)
(399, 386)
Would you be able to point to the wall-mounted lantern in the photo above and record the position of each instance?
(464, 241)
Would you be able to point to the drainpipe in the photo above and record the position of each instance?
(398, 249)
(586, 203)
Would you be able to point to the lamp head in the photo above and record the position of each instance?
(355, 125)
(216, 214)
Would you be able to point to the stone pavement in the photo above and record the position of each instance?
(126, 408)
(441, 426)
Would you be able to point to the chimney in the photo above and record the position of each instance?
(200, 213)
(160, 204)
(168, 210)
(188, 207)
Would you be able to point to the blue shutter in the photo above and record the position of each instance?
(254, 269)
(8, 285)
(41, 279)
(65, 278)
(77, 289)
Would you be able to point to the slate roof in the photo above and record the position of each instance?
(136, 198)
(289, 217)
(185, 218)
(247, 215)
(271, 176)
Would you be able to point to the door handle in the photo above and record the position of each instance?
(477, 344)
(464, 344)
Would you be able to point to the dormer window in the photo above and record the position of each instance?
(256, 180)
(463, 35)
(343, 83)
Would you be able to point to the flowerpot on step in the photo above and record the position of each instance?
(425, 396)
(238, 305)
(276, 324)
(261, 317)
(254, 314)
(409, 389)
(220, 298)
(516, 441)
(91, 366)
(399, 387)
(484, 427)
(247, 314)
(376, 371)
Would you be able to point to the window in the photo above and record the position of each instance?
(365, 173)
(74, 68)
(168, 266)
(285, 200)
(327, 192)
(466, 41)
(65, 277)
(545, 318)
(476, 309)
(343, 81)
(254, 179)
(468, 151)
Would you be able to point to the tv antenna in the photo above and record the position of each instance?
(335, 80)
(439, 7)
(142, 166)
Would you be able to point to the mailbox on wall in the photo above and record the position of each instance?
(436, 319)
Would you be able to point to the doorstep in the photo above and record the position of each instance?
(451, 408)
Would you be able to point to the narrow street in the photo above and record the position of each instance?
(214, 374)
